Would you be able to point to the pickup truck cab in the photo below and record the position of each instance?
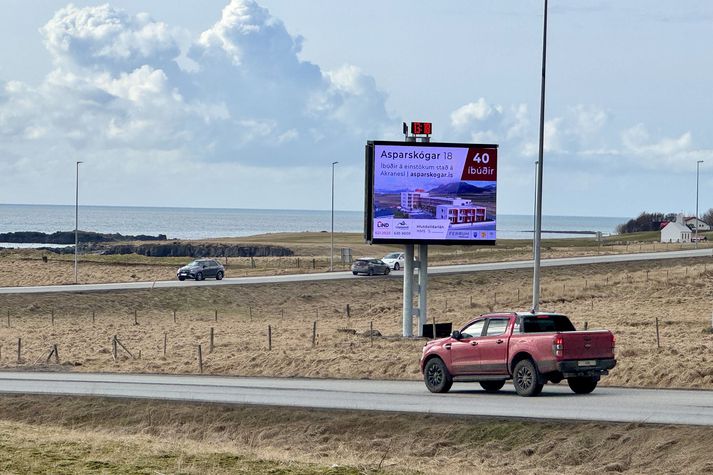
(532, 349)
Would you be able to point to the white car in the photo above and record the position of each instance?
(395, 260)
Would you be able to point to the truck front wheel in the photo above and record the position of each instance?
(582, 385)
(526, 379)
(436, 376)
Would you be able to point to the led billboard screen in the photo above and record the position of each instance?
(439, 193)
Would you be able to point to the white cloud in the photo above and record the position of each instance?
(465, 115)
(117, 97)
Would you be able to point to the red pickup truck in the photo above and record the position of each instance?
(529, 348)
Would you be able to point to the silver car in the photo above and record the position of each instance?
(370, 266)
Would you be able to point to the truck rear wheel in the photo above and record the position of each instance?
(437, 377)
(526, 379)
(582, 385)
(492, 386)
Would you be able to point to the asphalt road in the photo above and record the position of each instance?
(556, 402)
(456, 269)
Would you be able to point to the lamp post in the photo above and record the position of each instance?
(76, 223)
(695, 231)
(331, 252)
(538, 193)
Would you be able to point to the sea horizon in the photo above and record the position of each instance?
(205, 223)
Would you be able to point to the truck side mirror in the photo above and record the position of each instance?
(456, 335)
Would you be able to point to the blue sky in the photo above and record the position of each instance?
(244, 104)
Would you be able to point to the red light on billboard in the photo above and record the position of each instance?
(421, 128)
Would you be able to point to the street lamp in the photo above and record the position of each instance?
(331, 253)
(76, 223)
(695, 231)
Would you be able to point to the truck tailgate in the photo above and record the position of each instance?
(587, 345)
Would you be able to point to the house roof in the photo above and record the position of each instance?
(674, 226)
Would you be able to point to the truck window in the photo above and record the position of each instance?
(497, 326)
(546, 324)
(474, 329)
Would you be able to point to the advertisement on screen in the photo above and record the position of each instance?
(431, 193)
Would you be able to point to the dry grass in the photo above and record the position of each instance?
(311, 255)
(90, 435)
(626, 298)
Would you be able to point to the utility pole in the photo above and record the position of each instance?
(331, 252)
(695, 231)
(538, 198)
(76, 223)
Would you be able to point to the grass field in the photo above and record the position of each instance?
(311, 255)
(87, 435)
(92, 435)
(627, 298)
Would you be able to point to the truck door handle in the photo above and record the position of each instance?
(473, 343)
(447, 346)
(499, 341)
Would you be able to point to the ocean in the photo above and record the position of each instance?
(202, 223)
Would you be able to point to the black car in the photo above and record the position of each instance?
(200, 269)
(370, 266)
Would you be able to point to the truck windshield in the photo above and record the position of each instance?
(545, 324)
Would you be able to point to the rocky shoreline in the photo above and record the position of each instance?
(67, 237)
(108, 244)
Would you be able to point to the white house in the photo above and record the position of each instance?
(676, 232)
(693, 223)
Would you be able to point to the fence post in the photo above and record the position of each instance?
(658, 341)
(216, 315)
(19, 350)
(434, 327)
(136, 317)
(174, 316)
(114, 349)
(52, 317)
(518, 295)
(94, 316)
(200, 359)
(8, 318)
(314, 333)
(348, 311)
(210, 349)
(269, 338)
(165, 342)
(586, 325)
(251, 313)
(371, 333)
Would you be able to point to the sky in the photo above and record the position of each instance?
(244, 104)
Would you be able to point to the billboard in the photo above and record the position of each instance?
(430, 193)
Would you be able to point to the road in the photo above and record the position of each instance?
(440, 270)
(556, 402)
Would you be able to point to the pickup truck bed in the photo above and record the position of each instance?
(531, 349)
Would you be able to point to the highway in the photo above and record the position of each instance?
(439, 270)
(661, 406)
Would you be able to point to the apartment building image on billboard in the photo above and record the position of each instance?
(455, 210)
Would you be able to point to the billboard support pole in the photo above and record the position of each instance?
(422, 288)
(408, 291)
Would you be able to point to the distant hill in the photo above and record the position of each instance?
(461, 188)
